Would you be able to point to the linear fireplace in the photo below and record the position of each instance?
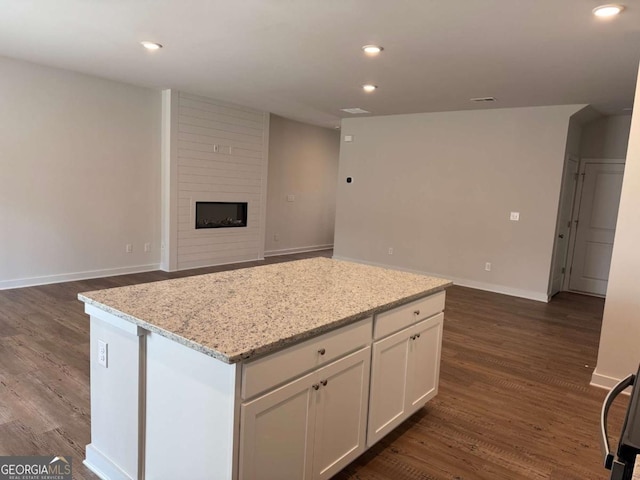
(221, 214)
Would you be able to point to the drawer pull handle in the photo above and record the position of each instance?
(324, 382)
(418, 335)
(315, 386)
(322, 351)
(416, 312)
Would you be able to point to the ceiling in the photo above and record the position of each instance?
(302, 59)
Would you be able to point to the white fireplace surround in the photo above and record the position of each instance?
(212, 151)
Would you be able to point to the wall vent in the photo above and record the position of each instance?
(354, 111)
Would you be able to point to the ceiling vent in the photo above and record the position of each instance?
(354, 111)
(483, 99)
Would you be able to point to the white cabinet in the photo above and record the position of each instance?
(277, 432)
(341, 417)
(404, 375)
(309, 428)
(423, 370)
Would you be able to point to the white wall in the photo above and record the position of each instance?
(606, 137)
(213, 151)
(438, 189)
(303, 161)
(619, 352)
(79, 175)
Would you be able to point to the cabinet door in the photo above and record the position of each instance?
(276, 441)
(387, 401)
(341, 414)
(424, 362)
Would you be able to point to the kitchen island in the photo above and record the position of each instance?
(289, 370)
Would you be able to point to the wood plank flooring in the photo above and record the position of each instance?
(514, 399)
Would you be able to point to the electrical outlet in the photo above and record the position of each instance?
(515, 216)
(291, 198)
(390, 250)
(147, 247)
(103, 353)
(128, 248)
(487, 266)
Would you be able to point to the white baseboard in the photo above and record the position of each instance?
(69, 277)
(102, 466)
(216, 264)
(463, 282)
(290, 251)
(604, 381)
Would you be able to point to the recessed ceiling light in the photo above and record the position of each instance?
(610, 10)
(372, 49)
(151, 45)
(369, 88)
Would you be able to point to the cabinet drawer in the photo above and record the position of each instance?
(400, 317)
(268, 372)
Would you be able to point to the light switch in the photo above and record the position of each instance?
(348, 138)
(515, 216)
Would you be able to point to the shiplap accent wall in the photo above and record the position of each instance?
(194, 171)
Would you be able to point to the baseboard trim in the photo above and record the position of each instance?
(605, 381)
(291, 251)
(233, 262)
(102, 466)
(70, 277)
(463, 282)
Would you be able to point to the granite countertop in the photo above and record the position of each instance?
(239, 314)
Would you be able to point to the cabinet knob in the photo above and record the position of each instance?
(322, 351)
(324, 382)
(416, 312)
(315, 386)
(418, 335)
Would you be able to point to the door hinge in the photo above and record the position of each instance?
(563, 269)
(569, 224)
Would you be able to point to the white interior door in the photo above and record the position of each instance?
(602, 184)
(563, 227)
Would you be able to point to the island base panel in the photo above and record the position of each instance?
(191, 413)
(116, 399)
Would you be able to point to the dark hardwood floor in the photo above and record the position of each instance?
(514, 399)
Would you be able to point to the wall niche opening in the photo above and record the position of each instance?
(221, 214)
